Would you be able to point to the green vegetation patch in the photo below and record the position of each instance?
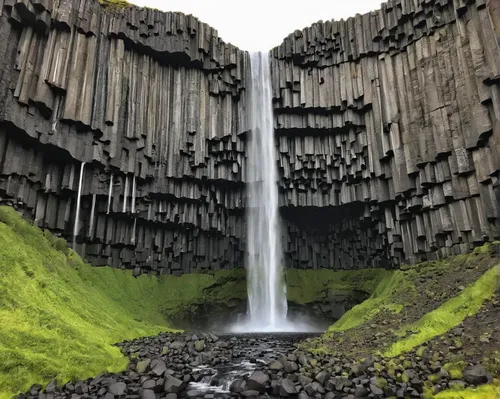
(380, 300)
(488, 391)
(115, 4)
(59, 316)
(448, 315)
(306, 286)
(426, 300)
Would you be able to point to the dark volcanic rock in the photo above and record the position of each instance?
(173, 375)
(148, 394)
(475, 375)
(257, 381)
(117, 388)
(174, 385)
(287, 388)
(345, 146)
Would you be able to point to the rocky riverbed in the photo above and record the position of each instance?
(205, 365)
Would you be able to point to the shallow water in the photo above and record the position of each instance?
(252, 350)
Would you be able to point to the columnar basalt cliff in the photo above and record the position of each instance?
(124, 131)
(146, 110)
(388, 125)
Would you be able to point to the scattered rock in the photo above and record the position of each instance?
(173, 385)
(118, 388)
(199, 346)
(148, 394)
(275, 365)
(142, 366)
(475, 375)
(257, 381)
(287, 388)
(159, 368)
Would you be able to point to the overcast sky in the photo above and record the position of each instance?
(255, 25)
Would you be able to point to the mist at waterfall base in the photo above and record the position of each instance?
(267, 301)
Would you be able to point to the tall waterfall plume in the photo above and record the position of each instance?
(266, 285)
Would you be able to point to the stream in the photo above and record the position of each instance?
(250, 352)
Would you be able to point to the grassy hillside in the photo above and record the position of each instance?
(59, 316)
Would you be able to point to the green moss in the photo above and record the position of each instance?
(115, 4)
(382, 298)
(59, 316)
(489, 391)
(381, 382)
(306, 286)
(455, 369)
(448, 315)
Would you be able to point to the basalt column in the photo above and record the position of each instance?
(389, 134)
(121, 131)
(387, 126)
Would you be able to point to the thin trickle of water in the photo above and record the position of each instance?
(110, 194)
(266, 286)
(78, 201)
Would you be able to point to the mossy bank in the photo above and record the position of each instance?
(434, 319)
(60, 316)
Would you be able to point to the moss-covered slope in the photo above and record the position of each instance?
(421, 301)
(427, 317)
(59, 316)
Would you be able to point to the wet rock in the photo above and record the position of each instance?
(177, 345)
(147, 394)
(314, 388)
(148, 384)
(376, 390)
(196, 393)
(213, 337)
(287, 388)
(159, 368)
(475, 375)
(250, 393)
(304, 380)
(81, 388)
(117, 388)
(173, 385)
(142, 366)
(237, 386)
(257, 381)
(303, 360)
(51, 386)
(361, 391)
(290, 367)
(199, 346)
(322, 376)
(275, 365)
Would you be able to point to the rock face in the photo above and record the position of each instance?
(145, 109)
(389, 134)
(124, 131)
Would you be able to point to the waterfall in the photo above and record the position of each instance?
(266, 286)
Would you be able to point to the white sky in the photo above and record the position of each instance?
(255, 25)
